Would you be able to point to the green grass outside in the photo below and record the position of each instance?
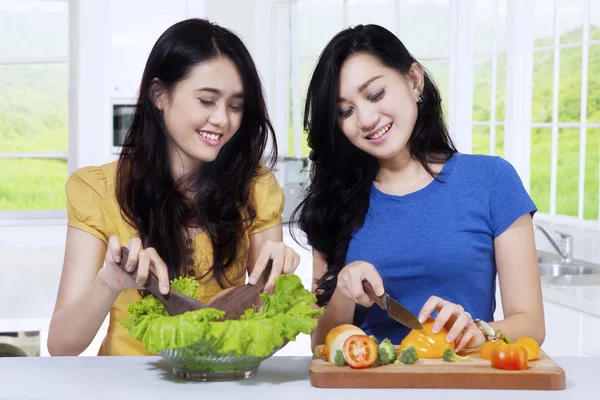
(33, 117)
(32, 184)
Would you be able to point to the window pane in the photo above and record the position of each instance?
(541, 151)
(592, 174)
(440, 73)
(32, 184)
(425, 27)
(482, 88)
(481, 139)
(33, 108)
(307, 65)
(320, 21)
(570, 21)
(594, 20)
(541, 106)
(569, 95)
(567, 176)
(543, 23)
(501, 87)
(502, 21)
(484, 27)
(34, 29)
(593, 97)
(499, 140)
(482, 85)
(380, 12)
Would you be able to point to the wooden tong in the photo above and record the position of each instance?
(234, 303)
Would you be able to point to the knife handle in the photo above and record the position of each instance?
(151, 284)
(371, 293)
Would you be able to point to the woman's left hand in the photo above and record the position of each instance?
(285, 261)
(461, 328)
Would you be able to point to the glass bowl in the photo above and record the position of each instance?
(196, 363)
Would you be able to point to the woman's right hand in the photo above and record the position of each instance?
(144, 259)
(350, 282)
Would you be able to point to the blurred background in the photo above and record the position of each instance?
(519, 79)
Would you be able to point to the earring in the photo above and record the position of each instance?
(419, 97)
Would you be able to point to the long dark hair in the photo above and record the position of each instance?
(149, 197)
(337, 197)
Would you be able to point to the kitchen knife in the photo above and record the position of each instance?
(394, 309)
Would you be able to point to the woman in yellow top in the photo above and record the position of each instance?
(188, 195)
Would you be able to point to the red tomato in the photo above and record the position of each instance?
(360, 351)
(511, 356)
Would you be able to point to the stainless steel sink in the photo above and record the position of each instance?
(575, 273)
(554, 269)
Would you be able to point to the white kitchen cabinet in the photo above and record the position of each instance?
(135, 25)
(563, 331)
(590, 327)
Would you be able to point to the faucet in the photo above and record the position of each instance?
(565, 251)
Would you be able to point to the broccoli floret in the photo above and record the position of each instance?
(339, 359)
(374, 339)
(451, 356)
(387, 350)
(408, 356)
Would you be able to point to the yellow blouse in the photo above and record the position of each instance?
(92, 206)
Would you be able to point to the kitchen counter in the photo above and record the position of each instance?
(278, 378)
(581, 298)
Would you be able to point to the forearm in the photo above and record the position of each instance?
(74, 327)
(339, 310)
(523, 324)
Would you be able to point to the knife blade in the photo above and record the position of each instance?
(394, 309)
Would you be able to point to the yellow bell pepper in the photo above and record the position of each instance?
(532, 347)
(427, 343)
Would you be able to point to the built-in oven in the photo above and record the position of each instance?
(122, 114)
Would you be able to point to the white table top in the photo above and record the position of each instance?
(278, 378)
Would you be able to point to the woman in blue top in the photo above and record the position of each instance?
(392, 202)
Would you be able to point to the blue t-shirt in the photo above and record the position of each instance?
(439, 240)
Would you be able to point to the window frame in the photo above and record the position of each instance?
(518, 103)
(555, 125)
(45, 217)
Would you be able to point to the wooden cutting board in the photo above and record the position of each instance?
(543, 374)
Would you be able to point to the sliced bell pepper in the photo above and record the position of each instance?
(427, 343)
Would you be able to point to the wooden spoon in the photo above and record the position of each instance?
(237, 300)
(175, 303)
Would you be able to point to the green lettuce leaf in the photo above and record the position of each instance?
(187, 287)
(286, 313)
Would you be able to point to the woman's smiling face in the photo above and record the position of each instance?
(377, 105)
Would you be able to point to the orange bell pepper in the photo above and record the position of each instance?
(532, 347)
(511, 356)
(485, 353)
(427, 343)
